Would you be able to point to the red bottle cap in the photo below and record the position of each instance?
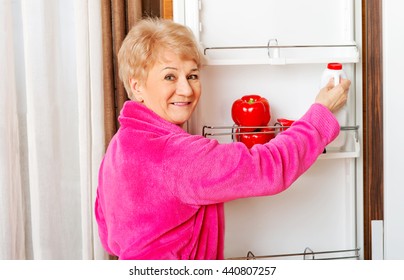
(334, 66)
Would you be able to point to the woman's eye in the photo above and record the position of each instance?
(169, 77)
(193, 77)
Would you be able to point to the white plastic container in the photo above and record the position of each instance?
(335, 70)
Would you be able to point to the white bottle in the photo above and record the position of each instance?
(334, 70)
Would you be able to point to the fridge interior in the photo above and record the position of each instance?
(279, 49)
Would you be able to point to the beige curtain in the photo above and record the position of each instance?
(51, 120)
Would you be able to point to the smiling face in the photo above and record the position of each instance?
(172, 88)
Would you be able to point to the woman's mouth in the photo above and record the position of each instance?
(181, 103)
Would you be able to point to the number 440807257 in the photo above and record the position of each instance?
(249, 270)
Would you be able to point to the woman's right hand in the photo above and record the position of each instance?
(334, 98)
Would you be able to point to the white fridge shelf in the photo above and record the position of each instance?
(251, 36)
(274, 54)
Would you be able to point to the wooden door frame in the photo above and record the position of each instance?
(372, 118)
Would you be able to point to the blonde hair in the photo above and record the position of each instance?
(144, 42)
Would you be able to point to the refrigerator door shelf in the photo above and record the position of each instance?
(281, 54)
(265, 32)
(349, 149)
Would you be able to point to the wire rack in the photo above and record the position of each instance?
(351, 148)
(233, 130)
(308, 254)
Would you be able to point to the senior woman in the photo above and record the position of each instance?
(161, 190)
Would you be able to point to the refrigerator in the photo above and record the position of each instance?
(279, 50)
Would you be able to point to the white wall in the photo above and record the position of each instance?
(393, 56)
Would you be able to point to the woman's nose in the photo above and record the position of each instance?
(183, 87)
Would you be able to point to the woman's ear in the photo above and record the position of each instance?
(135, 87)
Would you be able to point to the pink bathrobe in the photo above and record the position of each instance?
(161, 190)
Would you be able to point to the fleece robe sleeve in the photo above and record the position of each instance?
(200, 171)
